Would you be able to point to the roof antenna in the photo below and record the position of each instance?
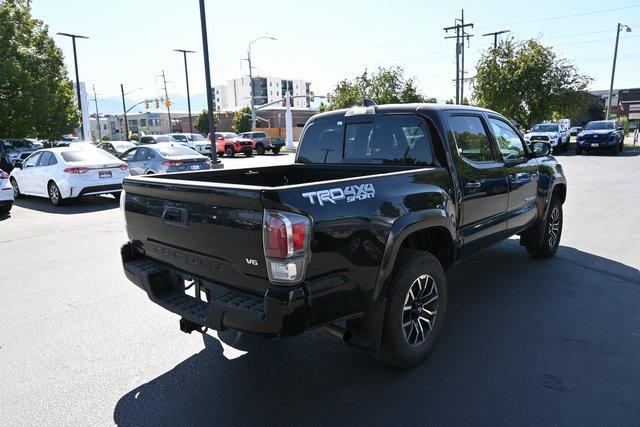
(369, 103)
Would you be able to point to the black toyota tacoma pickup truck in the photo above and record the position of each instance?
(354, 237)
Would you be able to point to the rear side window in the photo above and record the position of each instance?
(395, 140)
(93, 155)
(471, 138)
(322, 143)
(45, 158)
(390, 140)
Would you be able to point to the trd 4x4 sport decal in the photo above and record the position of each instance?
(351, 193)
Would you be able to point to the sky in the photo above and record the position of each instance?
(132, 41)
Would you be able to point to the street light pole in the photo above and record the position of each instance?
(207, 75)
(613, 69)
(95, 98)
(251, 88)
(124, 108)
(186, 75)
(75, 62)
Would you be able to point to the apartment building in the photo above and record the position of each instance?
(236, 93)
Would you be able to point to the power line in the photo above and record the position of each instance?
(573, 15)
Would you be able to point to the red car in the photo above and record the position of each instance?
(229, 143)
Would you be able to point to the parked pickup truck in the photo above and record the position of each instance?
(355, 236)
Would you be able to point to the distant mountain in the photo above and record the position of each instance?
(113, 104)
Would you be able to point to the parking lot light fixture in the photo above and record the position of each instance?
(75, 62)
(613, 68)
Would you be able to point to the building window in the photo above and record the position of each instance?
(143, 122)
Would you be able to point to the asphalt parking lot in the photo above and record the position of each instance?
(525, 342)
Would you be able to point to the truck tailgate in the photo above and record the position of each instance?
(212, 233)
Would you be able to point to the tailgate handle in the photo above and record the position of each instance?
(175, 216)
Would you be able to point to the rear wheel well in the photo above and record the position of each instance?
(560, 190)
(435, 240)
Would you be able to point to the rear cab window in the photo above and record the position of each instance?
(392, 139)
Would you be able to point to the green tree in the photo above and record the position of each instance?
(202, 124)
(106, 138)
(242, 120)
(37, 98)
(527, 82)
(384, 86)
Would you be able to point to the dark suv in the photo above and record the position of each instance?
(13, 150)
(601, 135)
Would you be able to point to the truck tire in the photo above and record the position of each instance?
(229, 151)
(275, 150)
(578, 150)
(260, 150)
(614, 150)
(415, 309)
(548, 245)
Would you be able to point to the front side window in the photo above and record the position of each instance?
(509, 143)
(471, 138)
(32, 160)
(129, 155)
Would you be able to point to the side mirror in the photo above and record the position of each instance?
(541, 148)
(17, 164)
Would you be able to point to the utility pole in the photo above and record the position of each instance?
(186, 75)
(495, 35)
(167, 101)
(459, 27)
(613, 69)
(124, 108)
(95, 98)
(75, 62)
(207, 75)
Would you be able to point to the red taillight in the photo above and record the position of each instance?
(277, 241)
(172, 163)
(286, 244)
(124, 167)
(79, 170)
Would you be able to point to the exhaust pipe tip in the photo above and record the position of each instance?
(338, 332)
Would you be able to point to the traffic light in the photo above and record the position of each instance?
(167, 102)
(146, 104)
(312, 96)
(157, 103)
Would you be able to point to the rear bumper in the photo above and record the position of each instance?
(99, 189)
(280, 311)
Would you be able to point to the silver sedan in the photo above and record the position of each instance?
(164, 158)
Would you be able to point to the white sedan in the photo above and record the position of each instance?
(66, 172)
(6, 195)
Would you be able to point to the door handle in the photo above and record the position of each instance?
(470, 185)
